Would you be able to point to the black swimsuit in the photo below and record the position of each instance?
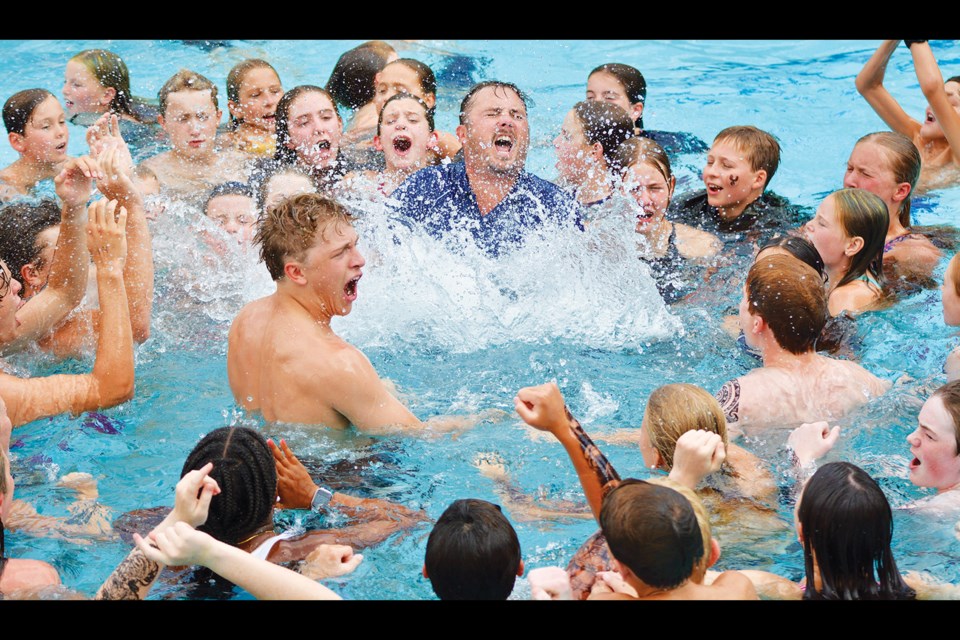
(665, 271)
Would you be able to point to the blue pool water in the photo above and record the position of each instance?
(459, 334)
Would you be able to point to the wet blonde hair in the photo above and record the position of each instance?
(674, 409)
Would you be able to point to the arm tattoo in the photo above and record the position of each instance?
(135, 574)
(606, 474)
(729, 399)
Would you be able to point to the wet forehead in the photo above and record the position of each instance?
(310, 102)
(190, 101)
(496, 97)
(333, 234)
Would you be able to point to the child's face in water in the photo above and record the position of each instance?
(314, 129)
(190, 120)
(82, 92)
(930, 127)
(398, 78)
(933, 445)
(236, 214)
(728, 176)
(651, 190)
(45, 136)
(258, 94)
(405, 137)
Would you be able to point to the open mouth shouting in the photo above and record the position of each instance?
(350, 289)
(402, 144)
(503, 144)
(713, 189)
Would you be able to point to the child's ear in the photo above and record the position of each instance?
(424, 572)
(16, 141)
(760, 182)
(519, 570)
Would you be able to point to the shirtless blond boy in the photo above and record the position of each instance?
(283, 358)
(782, 313)
(189, 114)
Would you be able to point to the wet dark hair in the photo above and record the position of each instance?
(285, 155)
(425, 75)
(19, 108)
(230, 189)
(20, 224)
(653, 530)
(235, 79)
(351, 83)
(428, 112)
(244, 468)
(797, 246)
(847, 525)
(473, 552)
(607, 124)
(632, 81)
(496, 84)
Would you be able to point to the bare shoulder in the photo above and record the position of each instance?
(733, 585)
(952, 366)
(854, 297)
(695, 244)
(22, 574)
(856, 372)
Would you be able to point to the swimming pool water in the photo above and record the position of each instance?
(461, 334)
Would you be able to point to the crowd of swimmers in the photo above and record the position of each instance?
(286, 175)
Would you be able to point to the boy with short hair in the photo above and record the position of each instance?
(740, 164)
(473, 553)
(190, 115)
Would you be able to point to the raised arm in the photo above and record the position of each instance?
(543, 408)
(135, 575)
(870, 85)
(67, 282)
(111, 381)
(116, 183)
(181, 544)
(931, 83)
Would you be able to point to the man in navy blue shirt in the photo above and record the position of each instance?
(489, 196)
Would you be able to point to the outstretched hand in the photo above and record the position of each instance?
(104, 133)
(115, 183)
(295, 487)
(74, 183)
(698, 453)
(107, 234)
(542, 407)
(812, 440)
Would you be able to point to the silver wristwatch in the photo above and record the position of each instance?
(321, 499)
